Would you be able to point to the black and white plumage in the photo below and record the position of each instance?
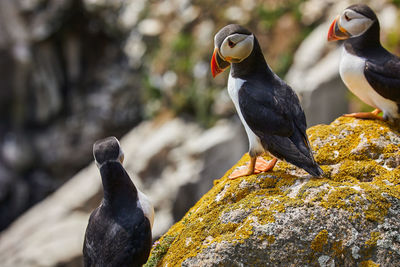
(268, 108)
(119, 230)
(367, 69)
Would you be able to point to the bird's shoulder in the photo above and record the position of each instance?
(267, 91)
(283, 95)
(383, 74)
(384, 63)
(270, 106)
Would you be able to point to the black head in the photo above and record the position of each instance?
(229, 30)
(106, 150)
(364, 10)
(354, 21)
(233, 43)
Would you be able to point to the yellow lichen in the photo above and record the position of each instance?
(373, 239)
(271, 239)
(320, 240)
(337, 248)
(354, 182)
(368, 263)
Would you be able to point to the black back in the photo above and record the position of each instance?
(118, 233)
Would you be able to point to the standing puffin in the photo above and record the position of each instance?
(367, 69)
(119, 230)
(268, 108)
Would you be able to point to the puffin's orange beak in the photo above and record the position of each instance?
(336, 32)
(331, 34)
(218, 65)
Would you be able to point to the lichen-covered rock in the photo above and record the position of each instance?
(351, 217)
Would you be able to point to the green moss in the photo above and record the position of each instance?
(159, 250)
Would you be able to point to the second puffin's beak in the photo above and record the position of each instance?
(218, 65)
(336, 32)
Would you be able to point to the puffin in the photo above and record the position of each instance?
(268, 108)
(367, 69)
(119, 230)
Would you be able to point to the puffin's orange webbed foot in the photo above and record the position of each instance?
(263, 166)
(239, 173)
(259, 165)
(244, 172)
(366, 115)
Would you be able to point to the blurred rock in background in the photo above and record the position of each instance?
(173, 161)
(65, 82)
(73, 71)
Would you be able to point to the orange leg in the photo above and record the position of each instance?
(255, 166)
(366, 115)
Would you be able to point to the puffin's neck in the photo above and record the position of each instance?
(254, 63)
(363, 44)
(118, 187)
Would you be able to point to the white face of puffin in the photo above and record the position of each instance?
(236, 47)
(354, 23)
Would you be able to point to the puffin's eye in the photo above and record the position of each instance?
(346, 17)
(231, 44)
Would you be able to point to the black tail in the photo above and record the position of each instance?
(293, 150)
(314, 170)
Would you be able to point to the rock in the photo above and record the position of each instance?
(174, 162)
(214, 149)
(151, 27)
(313, 10)
(59, 223)
(130, 13)
(179, 161)
(17, 152)
(350, 217)
(14, 196)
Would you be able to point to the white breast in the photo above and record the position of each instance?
(146, 206)
(352, 73)
(234, 85)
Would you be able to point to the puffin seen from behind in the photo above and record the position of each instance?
(367, 69)
(119, 230)
(268, 108)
